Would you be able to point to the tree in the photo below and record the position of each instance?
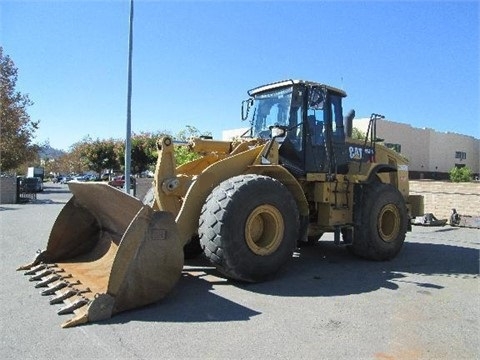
(16, 128)
(460, 174)
(98, 155)
(358, 134)
(189, 132)
(68, 163)
(183, 153)
(143, 151)
(74, 162)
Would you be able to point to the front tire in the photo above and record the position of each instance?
(249, 227)
(382, 224)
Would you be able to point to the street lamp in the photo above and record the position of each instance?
(128, 141)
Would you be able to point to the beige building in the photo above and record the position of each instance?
(431, 154)
(228, 135)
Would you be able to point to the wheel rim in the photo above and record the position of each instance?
(264, 230)
(389, 223)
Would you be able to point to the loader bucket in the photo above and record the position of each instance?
(107, 252)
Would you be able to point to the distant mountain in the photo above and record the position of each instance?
(47, 152)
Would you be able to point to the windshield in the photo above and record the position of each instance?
(270, 109)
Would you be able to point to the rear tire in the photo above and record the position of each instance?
(249, 227)
(383, 223)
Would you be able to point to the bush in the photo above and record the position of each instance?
(460, 174)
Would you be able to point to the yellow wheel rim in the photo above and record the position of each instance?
(389, 223)
(264, 230)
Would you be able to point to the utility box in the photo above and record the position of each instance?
(8, 190)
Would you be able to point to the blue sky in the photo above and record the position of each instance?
(193, 61)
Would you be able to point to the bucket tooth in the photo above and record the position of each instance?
(41, 275)
(52, 278)
(60, 285)
(48, 280)
(34, 269)
(62, 296)
(67, 294)
(52, 289)
(40, 267)
(73, 306)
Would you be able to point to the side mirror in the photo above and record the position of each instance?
(246, 105)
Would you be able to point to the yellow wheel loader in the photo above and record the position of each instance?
(246, 203)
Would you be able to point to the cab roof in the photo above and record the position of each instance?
(283, 83)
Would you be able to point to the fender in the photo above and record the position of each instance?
(203, 184)
(378, 169)
(286, 178)
(281, 174)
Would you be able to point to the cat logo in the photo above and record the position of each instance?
(356, 153)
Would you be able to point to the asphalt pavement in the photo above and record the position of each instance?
(327, 304)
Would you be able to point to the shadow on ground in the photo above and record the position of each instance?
(319, 271)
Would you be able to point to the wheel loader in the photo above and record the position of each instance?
(246, 204)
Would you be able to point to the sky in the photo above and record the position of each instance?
(416, 62)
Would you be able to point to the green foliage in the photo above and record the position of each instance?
(182, 153)
(189, 132)
(144, 151)
(460, 174)
(358, 134)
(98, 155)
(17, 130)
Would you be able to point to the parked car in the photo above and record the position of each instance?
(56, 179)
(81, 178)
(93, 177)
(32, 184)
(119, 181)
(106, 176)
(65, 179)
(147, 174)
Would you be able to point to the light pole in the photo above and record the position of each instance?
(128, 141)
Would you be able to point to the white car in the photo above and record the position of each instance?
(65, 179)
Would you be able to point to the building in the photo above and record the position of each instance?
(228, 135)
(431, 154)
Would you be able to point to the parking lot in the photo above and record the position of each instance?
(327, 304)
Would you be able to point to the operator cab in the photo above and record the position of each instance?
(306, 119)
